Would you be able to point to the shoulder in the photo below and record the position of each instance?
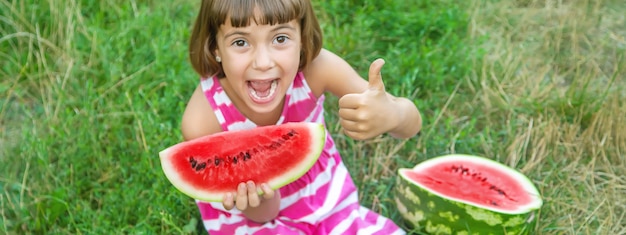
(198, 118)
(330, 73)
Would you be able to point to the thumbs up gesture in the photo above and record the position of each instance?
(370, 113)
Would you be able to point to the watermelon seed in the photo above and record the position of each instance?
(493, 203)
(501, 192)
(193, 162)
(236, 157)
(291, 133)
(201, 166)
(217, 161)
(273, 146)
(455, 169)
(247, 156)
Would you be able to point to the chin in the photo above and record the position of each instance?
(265, 108)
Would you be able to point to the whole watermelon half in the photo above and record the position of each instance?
(208, 167)
(463, 194)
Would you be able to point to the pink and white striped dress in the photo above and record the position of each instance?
(323, 201)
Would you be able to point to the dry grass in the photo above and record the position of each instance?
(547, 98)
(554, 75)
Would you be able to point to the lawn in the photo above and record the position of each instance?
(91, 91)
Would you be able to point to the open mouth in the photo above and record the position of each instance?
(262, 90)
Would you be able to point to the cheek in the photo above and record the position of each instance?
(292, 57)
(232, 61)
(233, 70)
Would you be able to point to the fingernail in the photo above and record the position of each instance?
(250, 184)
(242, 186)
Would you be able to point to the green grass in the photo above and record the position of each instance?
(90, 91)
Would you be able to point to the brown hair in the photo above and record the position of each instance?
(213, 13)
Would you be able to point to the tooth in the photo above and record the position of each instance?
(253, 93)
(273, 88)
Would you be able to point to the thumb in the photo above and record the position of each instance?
(375, 78)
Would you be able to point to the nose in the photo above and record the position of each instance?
(263, 59)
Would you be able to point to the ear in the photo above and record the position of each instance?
(216, 56)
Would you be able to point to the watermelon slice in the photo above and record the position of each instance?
(463, 194)
(208, 167)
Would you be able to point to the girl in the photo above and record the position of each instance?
(262, 63)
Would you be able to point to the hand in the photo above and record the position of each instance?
(247, 196)
(370, 113)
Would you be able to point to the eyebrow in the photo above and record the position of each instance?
(236, 32)
(276, 28)
(283, 26)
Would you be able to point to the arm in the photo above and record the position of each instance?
(366, 110)
(199, 120)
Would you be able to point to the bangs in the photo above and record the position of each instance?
(263, 12)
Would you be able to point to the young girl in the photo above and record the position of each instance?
(262, 63)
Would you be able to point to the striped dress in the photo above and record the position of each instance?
(323, 201)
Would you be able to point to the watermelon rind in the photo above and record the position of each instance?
(318, 132)
(317, 135)
(429, 211)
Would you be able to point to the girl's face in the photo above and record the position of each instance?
(259, 61)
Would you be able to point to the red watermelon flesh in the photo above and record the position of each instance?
(207, 168)
(475, 180)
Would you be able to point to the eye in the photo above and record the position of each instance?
(240, 43)
(281, 39)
